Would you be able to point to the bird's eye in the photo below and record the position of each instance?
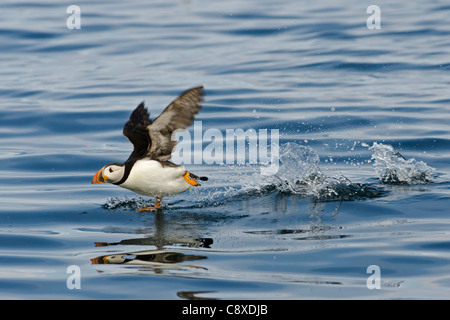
(110, 170)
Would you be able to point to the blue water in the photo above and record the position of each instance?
(363, 118)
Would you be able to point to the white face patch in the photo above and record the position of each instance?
(113, 173)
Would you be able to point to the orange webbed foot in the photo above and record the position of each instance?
(154, 208)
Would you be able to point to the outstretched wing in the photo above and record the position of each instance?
(178, 115)
(136, 131)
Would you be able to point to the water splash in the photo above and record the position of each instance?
(127, 203)
(299, 174)
(392, 168)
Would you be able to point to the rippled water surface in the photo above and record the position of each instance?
(364, 145)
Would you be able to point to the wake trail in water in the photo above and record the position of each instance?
(299, 174)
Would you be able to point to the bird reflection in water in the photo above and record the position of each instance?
(158, 259)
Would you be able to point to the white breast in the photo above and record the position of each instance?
(150, 178)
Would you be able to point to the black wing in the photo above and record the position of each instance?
(154, 139)
(178, 115)
(136, 131)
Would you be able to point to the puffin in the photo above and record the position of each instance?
(148, 170)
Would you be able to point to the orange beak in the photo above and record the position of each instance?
(99, 260)
(98, 177)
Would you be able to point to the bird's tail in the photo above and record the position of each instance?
(193, 176)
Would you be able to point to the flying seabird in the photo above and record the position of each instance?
(147, 170)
